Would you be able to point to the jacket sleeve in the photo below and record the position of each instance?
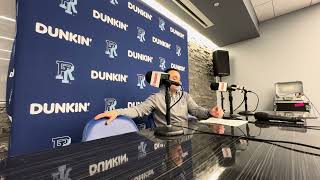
(195, 110)
(143, 109)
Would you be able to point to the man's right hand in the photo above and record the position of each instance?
(110, 115)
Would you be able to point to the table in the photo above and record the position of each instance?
(204, 152)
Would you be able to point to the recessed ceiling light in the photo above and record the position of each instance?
(216, 4)
(6, 38)
(5, 59)
(5, 50)
(192, 33)
(7, 18)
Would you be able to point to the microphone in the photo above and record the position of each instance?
(263, 116)
(158, 78)
(223, 86)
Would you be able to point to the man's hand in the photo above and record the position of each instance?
(218, 128)
(110, 115)
(216, 112)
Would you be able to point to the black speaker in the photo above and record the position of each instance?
(221, 66)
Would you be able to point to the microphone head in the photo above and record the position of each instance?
(214, 86)
(148, 76)
(262, 116)
(234, 87)
(158, 78)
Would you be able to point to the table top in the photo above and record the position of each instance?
(251, 151)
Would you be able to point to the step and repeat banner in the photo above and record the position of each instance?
(73, 59)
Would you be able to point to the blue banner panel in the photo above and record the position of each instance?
(74, 59)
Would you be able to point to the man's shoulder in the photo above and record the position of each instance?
(162, 93)
(156, 94)
(186, 94)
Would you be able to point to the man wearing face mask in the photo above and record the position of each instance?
(156, 105)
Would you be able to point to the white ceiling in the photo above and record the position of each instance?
(7, 29)
(268, 9)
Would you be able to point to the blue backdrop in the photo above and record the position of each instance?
(74, 59)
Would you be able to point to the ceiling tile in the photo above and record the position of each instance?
(5, 55)
(265, 11)
(4, 66)
(5, 44)
(7, 29)
(7, 8)
(258, 2)
(286, 6)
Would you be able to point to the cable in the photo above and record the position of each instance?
(178, 99)
(312, 104)
(244, 133)
(249, 134)
(239, 105)
(253, 139)
(258, 100)
(285, 125)
(312, 126)
(292, 149)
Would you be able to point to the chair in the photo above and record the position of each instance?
(192, 118)
(96, 129)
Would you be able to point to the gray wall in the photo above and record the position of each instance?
(201, 74)
(3, 79)
(288, 49)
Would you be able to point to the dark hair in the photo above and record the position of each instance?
(171, 69)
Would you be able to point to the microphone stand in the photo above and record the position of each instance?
(231, 115)
(246, 112)
(168, 130)
(222, 98)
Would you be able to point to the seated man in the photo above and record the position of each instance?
(156, 104)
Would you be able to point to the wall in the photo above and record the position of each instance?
(201, 74)
(287, 50)
(3, 79)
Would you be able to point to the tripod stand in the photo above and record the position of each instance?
(246, 112)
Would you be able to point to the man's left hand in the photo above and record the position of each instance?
(216, 112)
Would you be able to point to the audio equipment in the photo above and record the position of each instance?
(221, 66)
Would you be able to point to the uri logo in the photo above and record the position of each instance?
(111, 49)
(61, 141)
(69, 6)
(11, 74)
(110, 104)
(178, 50)
(162, 63)
(141, 81)
(114, 2)
(62, 174)
(162, 23)
(141, 34)
(64, 72)
(142, 150)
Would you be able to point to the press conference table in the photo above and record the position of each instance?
(204, 152)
